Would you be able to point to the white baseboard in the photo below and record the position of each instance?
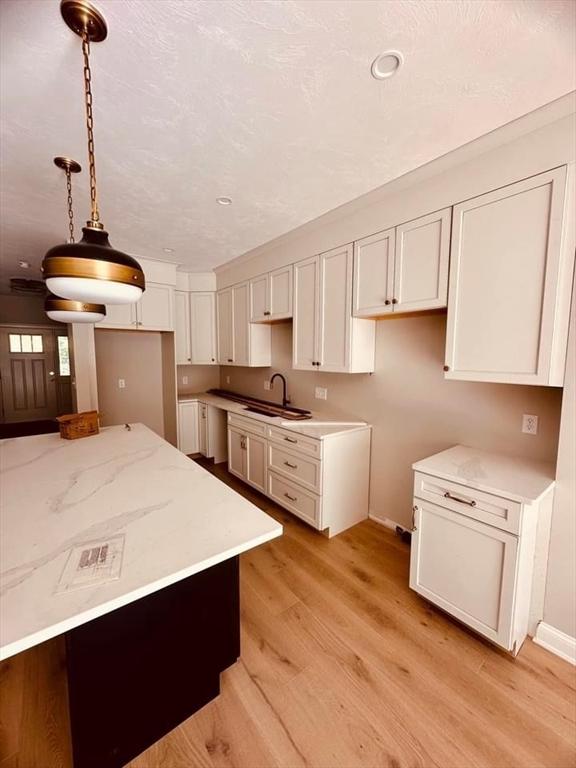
(386, 522)
(557, 642)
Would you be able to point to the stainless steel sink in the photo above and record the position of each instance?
(281, 412)
(264, 407)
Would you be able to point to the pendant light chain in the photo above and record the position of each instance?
(90, 125)
(70, 209)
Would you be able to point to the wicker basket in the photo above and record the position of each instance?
(75, 425)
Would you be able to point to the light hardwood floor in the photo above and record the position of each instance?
(343, 666)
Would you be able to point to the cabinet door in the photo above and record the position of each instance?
(120, 316)
(188, 428)
(504, 273)
(335, 309)
(304, 331)
(237, 453)
(203, 328)
(182, 327)
(155, 309)
(225, 335)
(374, 274)
(203, 429)
(465, 567)
(280, 293)
(256, 462)
(240, 324)
(421, 263)
(259, 309)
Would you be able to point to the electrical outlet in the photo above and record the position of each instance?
(121, 384)
(530, 424)
(321, 393)
(184, 379)
(267, 384)
(227, 379)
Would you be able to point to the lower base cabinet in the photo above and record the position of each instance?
(188, 427)
(324, 482)
(479, 556)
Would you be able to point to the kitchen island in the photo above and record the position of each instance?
(129, 549)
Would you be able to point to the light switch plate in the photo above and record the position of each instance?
(321, 393)
(530, 424)
(227, 379)
(184, 379)
(121, 384)
(267, 384)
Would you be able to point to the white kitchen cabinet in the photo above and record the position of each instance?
(225, 327)
(247, 457)
(182, 327)
(212, 441)
(403, 269)
(203, 328)
(323, 481)
(188, 427)
(154, 311)
(465, 567)
(480, 540)
(325, 335)
(374, 274)
(239, 341)
(421, 260)
(271, 296)
(510, 282)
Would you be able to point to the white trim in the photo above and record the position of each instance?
(392, 524)
(556, 642)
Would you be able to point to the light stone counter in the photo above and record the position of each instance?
(177, 520)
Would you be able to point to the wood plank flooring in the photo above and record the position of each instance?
(343, 666)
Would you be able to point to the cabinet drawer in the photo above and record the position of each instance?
(486, 507)
(249, 425)
(305, 471)
(302, 503)
(296, 442)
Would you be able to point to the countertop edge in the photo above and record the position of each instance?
(23, 644)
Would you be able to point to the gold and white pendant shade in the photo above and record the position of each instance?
(68, 311)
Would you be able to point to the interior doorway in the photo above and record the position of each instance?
(35, 378)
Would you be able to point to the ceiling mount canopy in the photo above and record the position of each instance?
(68, 310)
(91, 270)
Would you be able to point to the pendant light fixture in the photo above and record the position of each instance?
(91, 270)
(68, 310)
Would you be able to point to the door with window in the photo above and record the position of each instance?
(34, 373)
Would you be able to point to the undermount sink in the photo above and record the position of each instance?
(282, 412)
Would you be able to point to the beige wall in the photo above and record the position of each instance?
(135, 357)
(24, 309)
(560, 604)
(414, 411)
(200, 378)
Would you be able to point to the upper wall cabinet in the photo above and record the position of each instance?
(154, 311)
(325, 335)
(404, 269)
(271, 296)
(510, 284)
(240, 342)
(195, 328)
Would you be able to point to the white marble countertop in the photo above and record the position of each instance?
(517, 479)
(320, 426)
(176, 517)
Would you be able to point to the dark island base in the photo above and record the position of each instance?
(137, 672)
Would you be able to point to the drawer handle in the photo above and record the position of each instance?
(292, 466)
(414, 510)
(448, 495)
(292, 498)
(290, 440)
(266, 313)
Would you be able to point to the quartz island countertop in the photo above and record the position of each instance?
(176, 519)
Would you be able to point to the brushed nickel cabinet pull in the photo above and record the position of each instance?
(292, 498)
(292, 466)
(290, 440)
(448, 495)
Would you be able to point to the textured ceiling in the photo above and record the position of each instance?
(270, 103)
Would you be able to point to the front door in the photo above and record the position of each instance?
(28, 374)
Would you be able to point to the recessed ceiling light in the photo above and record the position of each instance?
(386, 65)
(24, 264)
(224, 200)
(168, 250)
